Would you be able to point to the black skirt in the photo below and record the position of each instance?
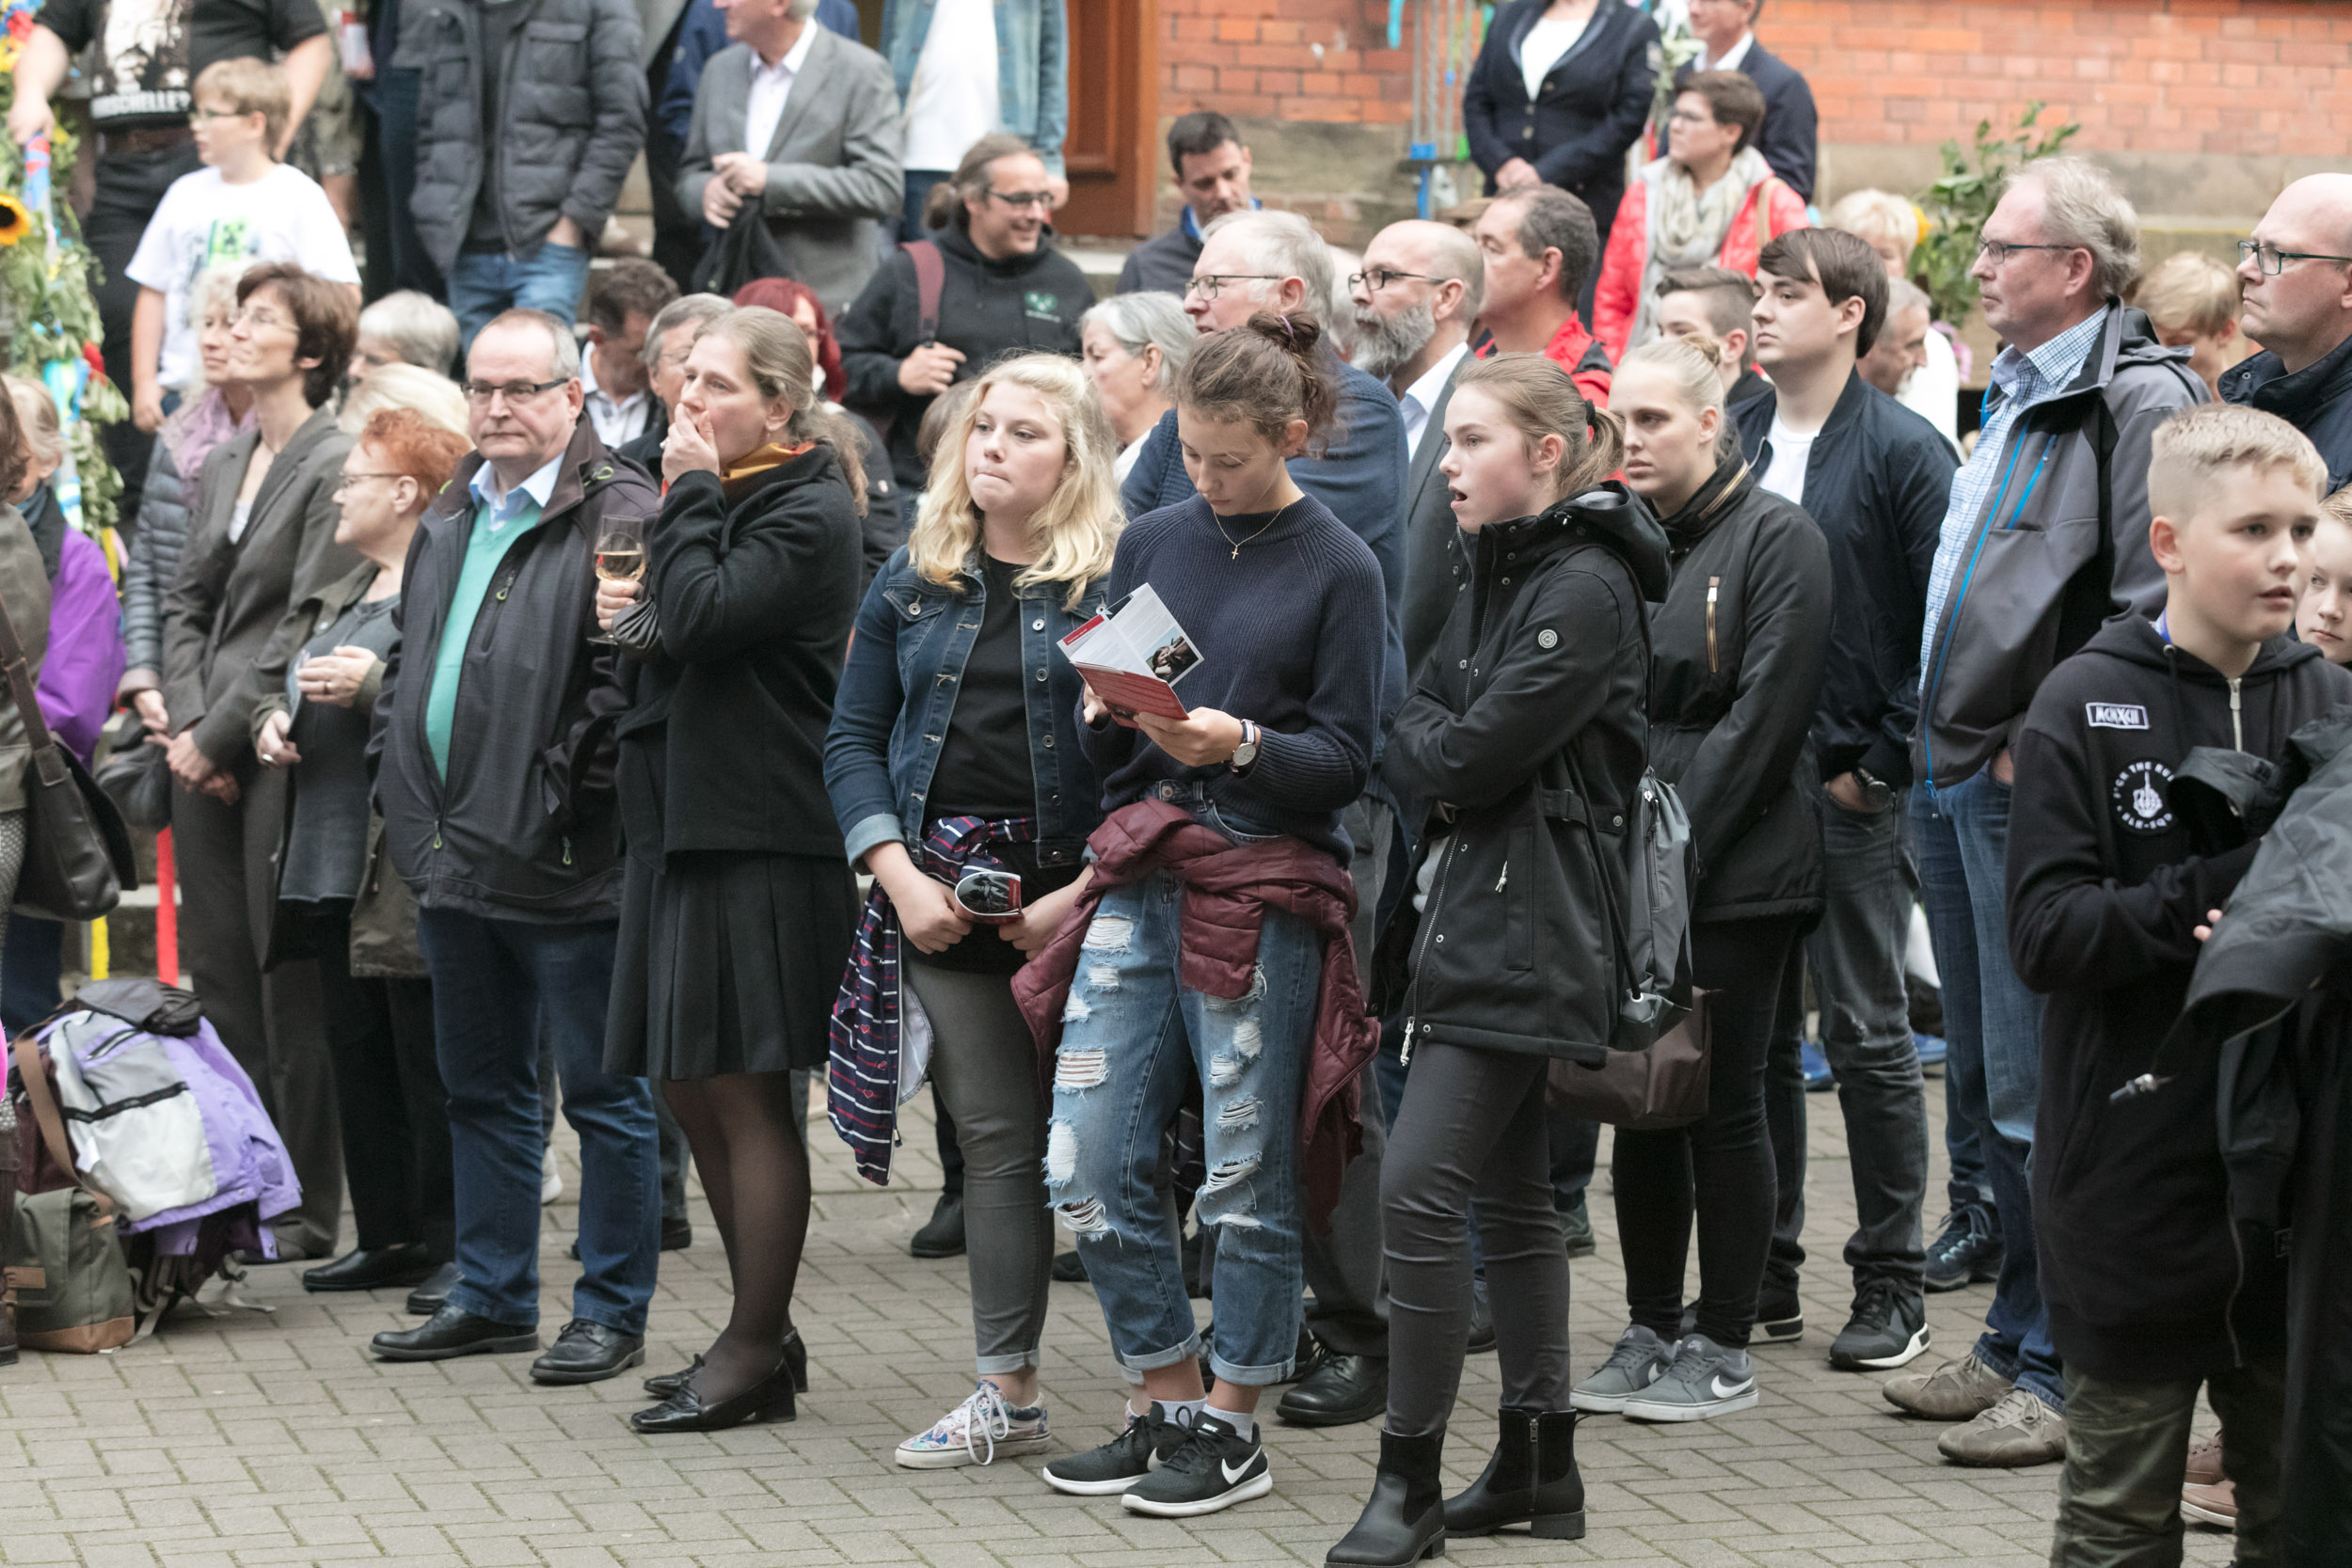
(728, 962)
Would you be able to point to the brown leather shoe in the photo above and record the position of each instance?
(2208, 1498)
(2204, 1462)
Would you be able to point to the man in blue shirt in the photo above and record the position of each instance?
(494, 773)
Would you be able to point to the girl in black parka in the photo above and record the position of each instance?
(1524, 741)
(1736, 675)
(737, 907)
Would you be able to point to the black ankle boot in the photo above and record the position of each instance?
(1404, 1521)
(1531, 1480)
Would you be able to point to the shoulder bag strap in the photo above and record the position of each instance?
(49, 1119)
(930, 281)
(1764, 189)
(21, 691)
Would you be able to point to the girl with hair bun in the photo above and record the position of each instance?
(736, 905)
(1210, 945)
(1522, 743)
(1735, 680)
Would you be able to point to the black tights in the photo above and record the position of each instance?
(747, 1143)
(1722, 1164)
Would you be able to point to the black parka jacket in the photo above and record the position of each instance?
(1735, 681)
(1523, 744)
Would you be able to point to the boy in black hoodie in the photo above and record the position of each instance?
(2152, 1292)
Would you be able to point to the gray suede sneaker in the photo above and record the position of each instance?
(2019, 1431)
(1639, 1359)
(1956, 1391)
(1706, 1380)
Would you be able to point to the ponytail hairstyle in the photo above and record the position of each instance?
(776, 353)
(1266, 372)
(1695, 365)
(1074, 533)
(945, 204)
(1537, 396)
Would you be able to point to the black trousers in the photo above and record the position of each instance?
(1720, 1165)
(129, 186)
(1471, 1125)
(388, 1094)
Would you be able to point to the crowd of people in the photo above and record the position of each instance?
(633, 689)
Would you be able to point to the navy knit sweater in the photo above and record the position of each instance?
(1291, 635)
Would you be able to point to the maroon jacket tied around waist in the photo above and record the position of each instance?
(1227, 893)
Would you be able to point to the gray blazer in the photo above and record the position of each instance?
(1435, 567)
(834, 179)
(230, 601)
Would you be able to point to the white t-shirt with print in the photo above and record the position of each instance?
(205, 221)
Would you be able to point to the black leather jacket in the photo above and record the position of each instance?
(1523, 742)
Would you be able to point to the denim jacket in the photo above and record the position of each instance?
(1032, 65)
(898, 694)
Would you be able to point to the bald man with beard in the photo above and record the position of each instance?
(2301, 315)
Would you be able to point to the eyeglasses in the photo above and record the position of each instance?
(260, 315)
(2270, 261)
(1040, 200)
(1376, 278)
(1999, 251)
(348, 480)
(515, 392)
(1210, 284)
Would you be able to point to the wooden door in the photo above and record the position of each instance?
(1113, 149)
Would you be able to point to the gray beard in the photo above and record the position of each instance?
(1384, 342)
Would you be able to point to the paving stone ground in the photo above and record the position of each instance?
(259, 1438)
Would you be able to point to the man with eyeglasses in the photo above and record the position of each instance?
(2294, 277)
(2045, 537)
(493, 742)
(1002, 288)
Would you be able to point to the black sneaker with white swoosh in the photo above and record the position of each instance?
(1147, 1443)
(1216, 1468)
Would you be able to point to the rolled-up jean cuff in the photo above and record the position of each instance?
(993, 1366)
(1248, 1377)
(1136, 1366)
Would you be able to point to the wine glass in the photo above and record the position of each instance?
(620, 558)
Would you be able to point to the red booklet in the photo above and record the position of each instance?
(1133, 654)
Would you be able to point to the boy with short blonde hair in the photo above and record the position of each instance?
(2153, 1290)
(2192, 302)
(246, 207)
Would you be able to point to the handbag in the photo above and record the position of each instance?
(64, 1260)
(1661, 1086)
(77, 852)
(134, 774)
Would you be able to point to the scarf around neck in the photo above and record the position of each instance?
(1687, 225)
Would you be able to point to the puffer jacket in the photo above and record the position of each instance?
(1740, 644)
(152, 562)
(526, 826)
(1523, 746)
(2067, 550)
(571, 119)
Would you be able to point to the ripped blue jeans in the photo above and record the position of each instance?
(1133, 1036)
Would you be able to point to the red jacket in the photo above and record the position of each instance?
(1578, 353)
(1617, 299)
(1227, 893)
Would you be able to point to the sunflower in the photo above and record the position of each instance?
(15, 222)
(7, 53)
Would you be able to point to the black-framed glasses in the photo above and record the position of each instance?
(1999, 251)
(515, 391)
(2270, 261)
(1376, 278)
(1211, 284)
(1038, 200)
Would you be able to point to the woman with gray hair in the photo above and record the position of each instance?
(1135, 346)
(406, 328)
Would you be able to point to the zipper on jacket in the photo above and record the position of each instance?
(1505, 877)
(566, 842)
(1715, 586)
(1436, 904)
(2237, 717)
(437, 832)
(1934, 684)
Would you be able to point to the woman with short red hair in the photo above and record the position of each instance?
(334, 901)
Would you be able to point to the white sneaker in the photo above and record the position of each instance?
(550, 1179)
(980, 1430)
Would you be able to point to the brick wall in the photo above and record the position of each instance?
(1321, 60)
(2264, 78)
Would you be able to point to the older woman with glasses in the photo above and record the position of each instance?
(266, 511)
(1135, 346)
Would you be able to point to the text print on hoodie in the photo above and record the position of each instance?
(2105, 890)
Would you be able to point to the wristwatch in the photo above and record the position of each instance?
(1246, 754)
(1876, 792)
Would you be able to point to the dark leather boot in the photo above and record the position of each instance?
(1531, 1480)
(1405, 1519)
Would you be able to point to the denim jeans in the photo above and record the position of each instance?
(1993, 1073)
(1133, 1037)
(1856, 957)
(484, 282)
(492, 980)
